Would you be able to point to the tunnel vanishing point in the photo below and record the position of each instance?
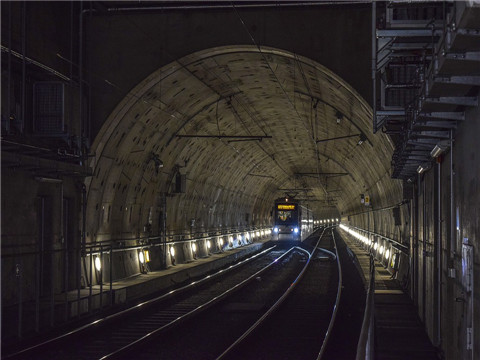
(132, 130)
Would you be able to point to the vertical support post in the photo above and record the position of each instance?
(80, 70)
(24, 65)
(438, 256)
(417, 241)
(412, 244)
(39, 260)
(79, 277)
(111, 274)
(424, 252)
(63, 231)
(368, 227)
(374, 64)
(9, 91)
(371, 332)
(65, 271)
(101, 277)
(18, 272)
(82, 248)
(52, 286)
(84, 221)
(90, 282)
(452, 207)
(164, 229)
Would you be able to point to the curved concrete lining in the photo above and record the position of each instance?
(234, 91)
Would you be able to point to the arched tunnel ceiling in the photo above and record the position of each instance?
(288, 101)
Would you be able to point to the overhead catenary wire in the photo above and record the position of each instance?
(311, 135)
(184, 66)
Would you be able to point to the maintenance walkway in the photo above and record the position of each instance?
(399, 333)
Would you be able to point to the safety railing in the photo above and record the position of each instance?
(53, 286)
(365, 346)
(402, 247)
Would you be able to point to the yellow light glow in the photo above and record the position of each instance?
(98, 263)
(285, 207)
(147, 255)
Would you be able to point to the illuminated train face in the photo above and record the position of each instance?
(291, 221)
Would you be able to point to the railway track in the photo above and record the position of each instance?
(244, 314)
(104, 337)
(286, 313)
(298, 326)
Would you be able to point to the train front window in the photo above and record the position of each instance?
(284, 216)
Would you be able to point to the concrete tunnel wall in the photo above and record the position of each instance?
(229, 185)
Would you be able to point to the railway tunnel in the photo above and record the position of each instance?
(141, 138)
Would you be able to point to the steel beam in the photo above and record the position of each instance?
(225, 137)
(321, 173)
(437, 124)
(468, 55)
(445, 115)
(408, 33)
(337, 138)
(411, 46)
(468, 32)
(453, 100)
(473, 80)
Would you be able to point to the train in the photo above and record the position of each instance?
(292, 221)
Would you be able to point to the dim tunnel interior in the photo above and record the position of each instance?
(243, 125)
(147, 145)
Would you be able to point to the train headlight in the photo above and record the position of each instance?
(275, 229)
(295, 230)
(172, 251)
(140, 257)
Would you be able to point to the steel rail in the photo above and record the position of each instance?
(337, 301)
(189, 314)
(136, 307)
(275, 306)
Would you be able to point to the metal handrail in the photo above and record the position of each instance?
(403, 246)
(98, 246)
(365, 346)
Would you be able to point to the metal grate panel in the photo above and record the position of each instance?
(48, 108)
